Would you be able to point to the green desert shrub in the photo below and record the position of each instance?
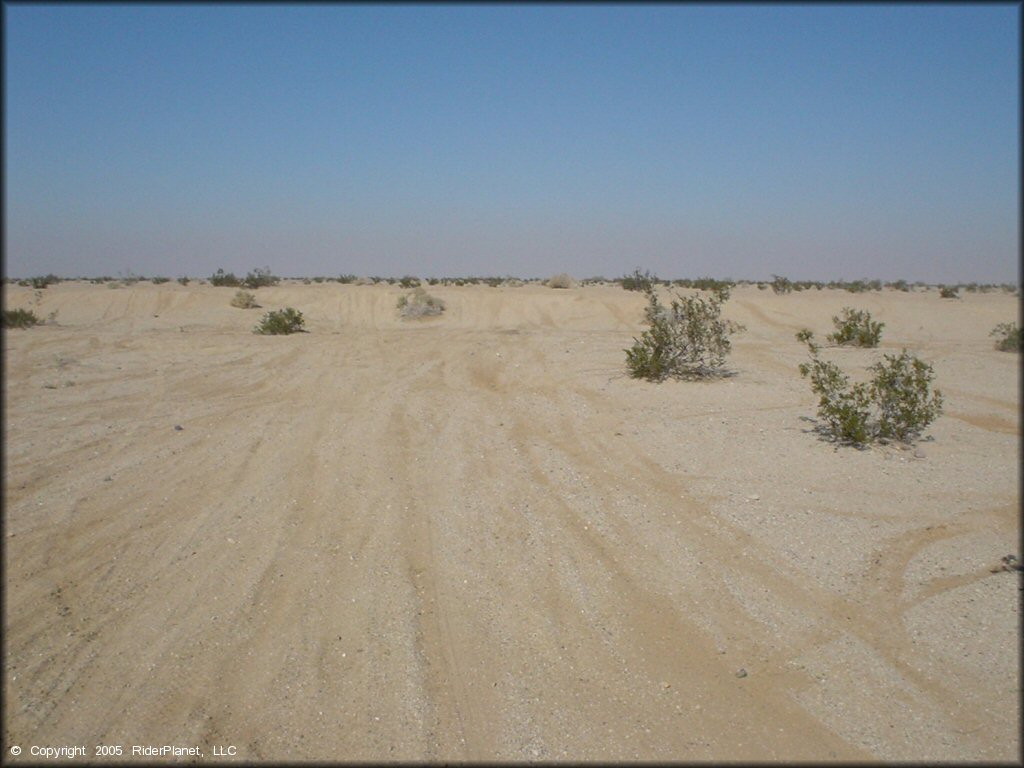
(901, 390)
(948, 292)
(42, 281)
(561, 280)
(781, 284)
(898, 402)
(280, 322)
(687, 340)
(244, 300)
(184, 280)
(639, 281)
(409, 282)
(222, 278)
(260, 278)
(844, 409)
(20, 318)
(722, 287)
(1007, 337)
(344, 279)
(160, 280)
(855, 328)
(419, 303)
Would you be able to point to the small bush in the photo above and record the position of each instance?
(343, 279)
(244, 300)
(898, 285)
(844, 409)
(901, 388)
(948, 292)
(1008, 337)
(855, 328)
(20, 318)
(561, 280)
(639, 281)
(280, 322)
(159, 280)
(222, 278)
(184, 280)
(41, 282)
(409, 282)
(260, 278)
(418, 304)
(687, 340)
(721, 287)
(781, 284)
(897, 403)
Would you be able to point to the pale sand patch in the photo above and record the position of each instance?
(474, 538)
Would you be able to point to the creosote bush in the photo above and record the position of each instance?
(687, 340)
(896, 404)
(948, 292)
(222, 278)
(280, 322)
(855, 328)
(781, 284)
(244, 300)
(40, 282)
(419, 303)
(1007, 337)
(259, 278)
(20, 318)
(639, 281)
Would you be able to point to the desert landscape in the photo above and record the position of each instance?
(473, 537)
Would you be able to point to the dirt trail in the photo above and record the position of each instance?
(472, 538)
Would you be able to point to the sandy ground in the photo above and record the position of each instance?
(474, 538)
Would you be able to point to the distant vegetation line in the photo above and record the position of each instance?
(637, 281)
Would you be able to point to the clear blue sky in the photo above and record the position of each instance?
(816, 142)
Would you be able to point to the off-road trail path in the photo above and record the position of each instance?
(473, 538)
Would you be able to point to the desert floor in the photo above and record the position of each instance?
(473, 537)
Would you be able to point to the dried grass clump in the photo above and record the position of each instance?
(244, 300)
(562, 280)
(418, 304)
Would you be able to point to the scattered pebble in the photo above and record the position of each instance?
(753, 497)
(741, 672)
(919, 454)
(178, 428)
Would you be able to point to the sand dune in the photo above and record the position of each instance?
(472, 537)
